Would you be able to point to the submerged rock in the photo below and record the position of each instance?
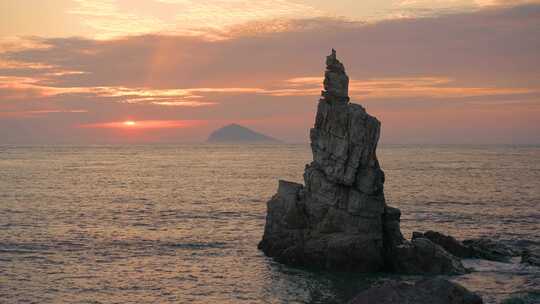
(340, 219)
(428, 291)
(531, 258)
(531, 297)
(488, 249)
(423, 256)
(481, 248)
(447, 242)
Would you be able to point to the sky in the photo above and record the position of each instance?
(172, 71)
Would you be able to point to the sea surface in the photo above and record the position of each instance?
(181, 223)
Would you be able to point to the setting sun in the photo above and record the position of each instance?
(145, 124)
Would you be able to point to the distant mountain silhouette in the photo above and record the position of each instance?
(238, 133)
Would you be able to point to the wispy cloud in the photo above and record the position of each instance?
(400, 87)
(433, 8)
(37, 113)
(183, 103)
(462, 3)
(484, 3)
(20, 88)
(108, 20)
(144, 124)
(197, 18)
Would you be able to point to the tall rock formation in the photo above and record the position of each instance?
(340, 219)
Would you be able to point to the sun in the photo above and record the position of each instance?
(129, 123)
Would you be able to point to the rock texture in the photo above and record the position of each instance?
(449, 243)
(340, 219)
(421, 256)
(428, 291)
(531, 297)
(481, 248)
(531, 258)
(484, 248)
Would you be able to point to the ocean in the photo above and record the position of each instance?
(181, 223)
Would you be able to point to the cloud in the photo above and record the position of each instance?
(217, 19)
(435, 92)
(37, 113)
(483, 3)
(183, 103)
(462, 3)
(273, 70)
(144, 124)
(109, 18)
(424, 87)
(20, 88)
(466, 47)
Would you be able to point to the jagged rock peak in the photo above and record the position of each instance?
(333, 64)
(336, 81)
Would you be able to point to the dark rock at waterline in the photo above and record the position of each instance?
(333, 244)
(448, 242)
(532, 297)
(488, 249)
(339, 220)
(427, 291)
(481, 248)
(531, 258)
(425, 257)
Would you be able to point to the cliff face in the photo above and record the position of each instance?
(340, 219)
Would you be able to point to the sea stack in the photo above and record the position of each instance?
(339, 220)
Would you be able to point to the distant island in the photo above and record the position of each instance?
(239, 134)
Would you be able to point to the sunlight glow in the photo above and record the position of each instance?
(145, 124)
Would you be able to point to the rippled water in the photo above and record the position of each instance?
(178, 224)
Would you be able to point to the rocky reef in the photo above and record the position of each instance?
(427, 291)
(481, 248)
(531, 258)
(340, 220)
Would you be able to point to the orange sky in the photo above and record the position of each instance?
(450, 71)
